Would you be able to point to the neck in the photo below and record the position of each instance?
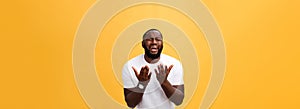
(150, 60)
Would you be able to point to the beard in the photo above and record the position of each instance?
(153, 56)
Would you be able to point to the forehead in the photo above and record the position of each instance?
(152, 34)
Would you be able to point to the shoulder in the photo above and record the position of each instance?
(169, 59)
(134, 60)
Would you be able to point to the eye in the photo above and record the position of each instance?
(148, 39)
(158, 39)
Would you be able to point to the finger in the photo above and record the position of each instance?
(135, 72)
(142, 73)
(161, 69)
(147, 68)
(156, 72)
(149, 75)
(158, 67)
(170, 68)
(166, 69)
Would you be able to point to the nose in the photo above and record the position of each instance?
(154, 41)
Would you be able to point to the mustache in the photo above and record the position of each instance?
(153, 56)
(153, 44)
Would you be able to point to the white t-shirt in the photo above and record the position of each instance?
(154, 96)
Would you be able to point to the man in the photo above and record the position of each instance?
(153, 80)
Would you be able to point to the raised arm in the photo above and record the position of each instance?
(133, 96)
(174, 92)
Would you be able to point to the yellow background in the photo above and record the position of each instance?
(261, 40)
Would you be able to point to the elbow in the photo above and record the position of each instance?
(179, 101)
(129, 104)
(177, 104)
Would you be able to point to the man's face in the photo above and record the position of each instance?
(153, 44)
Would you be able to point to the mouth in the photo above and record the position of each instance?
(153, 49)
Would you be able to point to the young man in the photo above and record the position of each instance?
(153, 80)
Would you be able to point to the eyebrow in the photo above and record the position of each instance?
(153, 38)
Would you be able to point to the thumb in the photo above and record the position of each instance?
(149, 76)
(169, 69)
(135, 72)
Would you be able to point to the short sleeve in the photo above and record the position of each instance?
(127, 78)
(176, 75)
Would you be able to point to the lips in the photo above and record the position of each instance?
(153, 49)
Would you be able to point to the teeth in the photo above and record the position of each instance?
(153, 49)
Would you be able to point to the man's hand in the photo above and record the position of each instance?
(162, 73)
(174, 93)
(144, 75)
(133, 96)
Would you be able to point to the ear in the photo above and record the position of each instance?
(143, 44)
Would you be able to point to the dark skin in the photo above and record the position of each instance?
(175, 93)
(133, 96)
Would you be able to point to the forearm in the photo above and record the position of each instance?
(174, 94)
(133, 96)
